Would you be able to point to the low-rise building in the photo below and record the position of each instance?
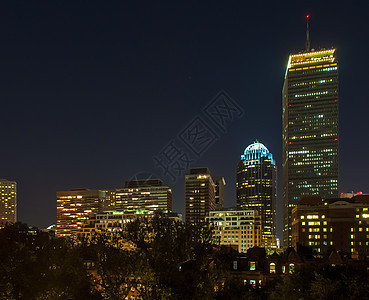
(240, 228)
(342, 224)
(115, 221)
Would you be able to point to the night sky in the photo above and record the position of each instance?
(92, 90)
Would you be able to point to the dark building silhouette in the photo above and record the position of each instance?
(219, 192)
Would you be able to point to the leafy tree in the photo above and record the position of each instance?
(324, 288)
(33, 266)
(180, 256)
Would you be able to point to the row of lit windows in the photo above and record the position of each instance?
(312, 82)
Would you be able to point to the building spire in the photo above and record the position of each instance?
(307, 34)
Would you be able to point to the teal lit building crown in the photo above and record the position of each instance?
(254, 152)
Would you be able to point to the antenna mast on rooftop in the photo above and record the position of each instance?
(307, 34)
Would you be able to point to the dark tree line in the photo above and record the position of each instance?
(33, 266)
(171, 261)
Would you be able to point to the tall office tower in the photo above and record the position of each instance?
(219, 192)
(74, 208)
(310, 129)
(199, 195)
(141, 194)
(257, 188)
(8, 201)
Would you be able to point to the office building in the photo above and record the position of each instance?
(114, 221)
(199, 195)
(142, 194)
(310, 129)
(239, 228)
(256, 188)
(339, 223)
(74, 208)
(8, 202)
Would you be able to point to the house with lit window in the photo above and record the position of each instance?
(256, 268)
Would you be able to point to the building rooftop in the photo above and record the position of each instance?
(143, 183)
(317, 200)
(202, 170)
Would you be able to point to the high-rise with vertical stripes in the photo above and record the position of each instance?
(256, 188)
(310, 129)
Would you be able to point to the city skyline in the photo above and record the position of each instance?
(75, 82)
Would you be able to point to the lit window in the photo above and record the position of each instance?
(291, 268)
(272, 268)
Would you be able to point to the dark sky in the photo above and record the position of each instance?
(92, 90)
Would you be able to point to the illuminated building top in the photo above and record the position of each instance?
(309, 60)
(254, 152)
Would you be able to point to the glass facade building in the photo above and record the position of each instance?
(310, 130)
(256, 188)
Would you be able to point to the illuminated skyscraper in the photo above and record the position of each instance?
(8, 201)
(310, 129)
(74, 207)
(199, 195)
(256, 187)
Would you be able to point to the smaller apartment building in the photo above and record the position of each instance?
(240, 228)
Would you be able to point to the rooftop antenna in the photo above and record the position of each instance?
(307, 34)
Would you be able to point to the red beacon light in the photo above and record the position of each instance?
(307, 16)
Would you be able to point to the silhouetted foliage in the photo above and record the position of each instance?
(154, 258)
(33, 266)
